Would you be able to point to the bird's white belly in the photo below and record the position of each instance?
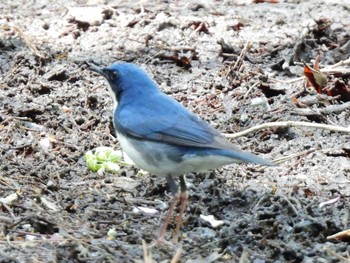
(137, 157)
(165, 166)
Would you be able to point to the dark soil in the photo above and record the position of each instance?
(237, 64)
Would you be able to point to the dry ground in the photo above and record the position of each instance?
(236, 64)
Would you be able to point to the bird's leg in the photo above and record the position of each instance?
(173, 202)
(183, 204)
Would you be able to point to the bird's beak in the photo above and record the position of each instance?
(98, 70)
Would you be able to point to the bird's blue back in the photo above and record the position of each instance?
(159, 117)
(145, 112)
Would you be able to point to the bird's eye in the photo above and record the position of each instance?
(113, 75)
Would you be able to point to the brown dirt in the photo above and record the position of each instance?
(53, 110)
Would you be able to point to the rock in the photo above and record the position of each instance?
(91, 15)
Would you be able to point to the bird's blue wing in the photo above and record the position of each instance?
(161, 118)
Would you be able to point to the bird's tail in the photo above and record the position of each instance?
(246, 157)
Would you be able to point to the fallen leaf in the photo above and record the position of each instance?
(316, 78)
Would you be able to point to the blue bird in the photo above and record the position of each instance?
(161, 136)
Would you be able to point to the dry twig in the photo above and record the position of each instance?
(288, 124)
(324, 111)
(238, 62)
(177, 255)
(147, 254)
(29, 42)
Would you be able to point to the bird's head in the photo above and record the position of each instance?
(126, 81)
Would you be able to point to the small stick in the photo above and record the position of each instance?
(288, 124)
(25, 38)
(240, 59)
(177, 255)
(147, 254)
